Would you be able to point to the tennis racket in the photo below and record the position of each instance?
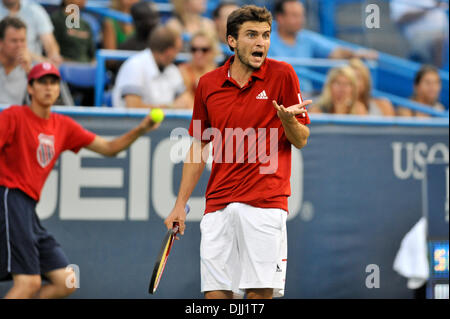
(163, 255)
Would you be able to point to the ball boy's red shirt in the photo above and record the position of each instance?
(30, 146)
(246, 170)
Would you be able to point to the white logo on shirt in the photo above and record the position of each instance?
(46, 149)
(262, 96)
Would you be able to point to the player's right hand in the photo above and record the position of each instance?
(177, 215)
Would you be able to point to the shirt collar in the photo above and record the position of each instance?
(260, 73)
(153, 65)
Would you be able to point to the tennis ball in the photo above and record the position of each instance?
(157, 115)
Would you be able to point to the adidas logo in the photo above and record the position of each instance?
(262, 96)
(279, 269)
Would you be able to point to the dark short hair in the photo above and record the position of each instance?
(278, 7)
(423, 71)
(222, 4)
(162, 38)
(145, 18)
(12, 22)
(247, 13)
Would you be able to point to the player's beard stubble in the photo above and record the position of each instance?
(243, 58)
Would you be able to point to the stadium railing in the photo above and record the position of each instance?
(400, 72)
(349, 120)
(104, 55)
(389, 70)
(327, 14)
(301, 66)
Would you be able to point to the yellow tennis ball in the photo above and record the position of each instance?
(157, 115)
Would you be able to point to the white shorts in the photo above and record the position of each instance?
(244, 247)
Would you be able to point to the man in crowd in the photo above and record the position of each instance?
(291, 40)
(39, 28)
(424, 23)
(15, 61)
(150, 78)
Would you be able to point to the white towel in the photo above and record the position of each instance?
(412, 259)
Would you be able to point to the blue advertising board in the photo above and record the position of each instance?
(356, 191)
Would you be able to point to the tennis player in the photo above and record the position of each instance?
(243, 231)
(31, 139)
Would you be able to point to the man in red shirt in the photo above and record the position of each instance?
(31, 139)
(252, 112)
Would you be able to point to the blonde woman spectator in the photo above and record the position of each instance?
(374, 106)
(427, 88)
(187, 19)
(204, 49)
(340, 94)
(115, 32)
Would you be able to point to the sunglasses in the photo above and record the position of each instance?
(203, 50)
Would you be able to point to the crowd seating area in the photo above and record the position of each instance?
(392, 77)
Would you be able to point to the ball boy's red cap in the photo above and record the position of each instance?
(42, 69)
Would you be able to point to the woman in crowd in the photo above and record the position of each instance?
(115, 32)
(427, 89)
(374, 106)
(340, 94)
(187, 19)
(204, 49)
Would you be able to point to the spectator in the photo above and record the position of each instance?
(115, 32)
(149, 78)
(77, 44)
(188, 19)
(204, 50)
(340, 94)
(220, 16)
(427, 89)
(424, 23)
(260, 3)
(292, 41)
(145, 18)
(374, 106)
(15, 61)
(39, 28)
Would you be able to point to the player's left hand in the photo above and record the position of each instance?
(287, 113)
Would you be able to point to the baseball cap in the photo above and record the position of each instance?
(42, 69)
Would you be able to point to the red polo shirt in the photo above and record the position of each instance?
(252, 156)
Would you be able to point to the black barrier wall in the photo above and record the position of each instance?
(356, 191)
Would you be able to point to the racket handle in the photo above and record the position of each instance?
(187, 209)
